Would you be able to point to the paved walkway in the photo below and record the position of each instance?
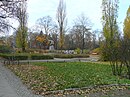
(5, 89)
(11, 86)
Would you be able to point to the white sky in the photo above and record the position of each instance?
(90, 8)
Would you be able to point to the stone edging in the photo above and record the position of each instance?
(88, 90)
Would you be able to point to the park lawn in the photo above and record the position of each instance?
(42, 77)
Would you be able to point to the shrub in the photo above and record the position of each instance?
(81, 56)
(85, 51)
(18, 50)
(63, 56)
(20, 57)
(5, 49)
(96, 50)
(71, 56)
(41, 57)
(78, 50)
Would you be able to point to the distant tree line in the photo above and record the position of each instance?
(80, 35)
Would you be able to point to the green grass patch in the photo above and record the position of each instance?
(42, 77)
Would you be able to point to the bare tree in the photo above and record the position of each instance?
(94, 40)
(77, 36)
(45, 23)
(8, 9)
(84, 25)
(72, 40)
(54, 35)
(61, 18)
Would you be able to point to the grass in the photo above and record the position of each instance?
(42, 77)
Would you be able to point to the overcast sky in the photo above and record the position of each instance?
(90, 8)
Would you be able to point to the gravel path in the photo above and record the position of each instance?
(11, 86)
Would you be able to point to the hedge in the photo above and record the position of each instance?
(41, 57)
(14, 57)
(5, 49)
(71, 56)
(25, 56)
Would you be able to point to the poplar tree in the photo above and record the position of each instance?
(127, 24)
(110, 32)
(61, 18)
(126, 43)
(109, 19)
(21, 35)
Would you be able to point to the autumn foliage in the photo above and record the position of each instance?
(42, 40)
